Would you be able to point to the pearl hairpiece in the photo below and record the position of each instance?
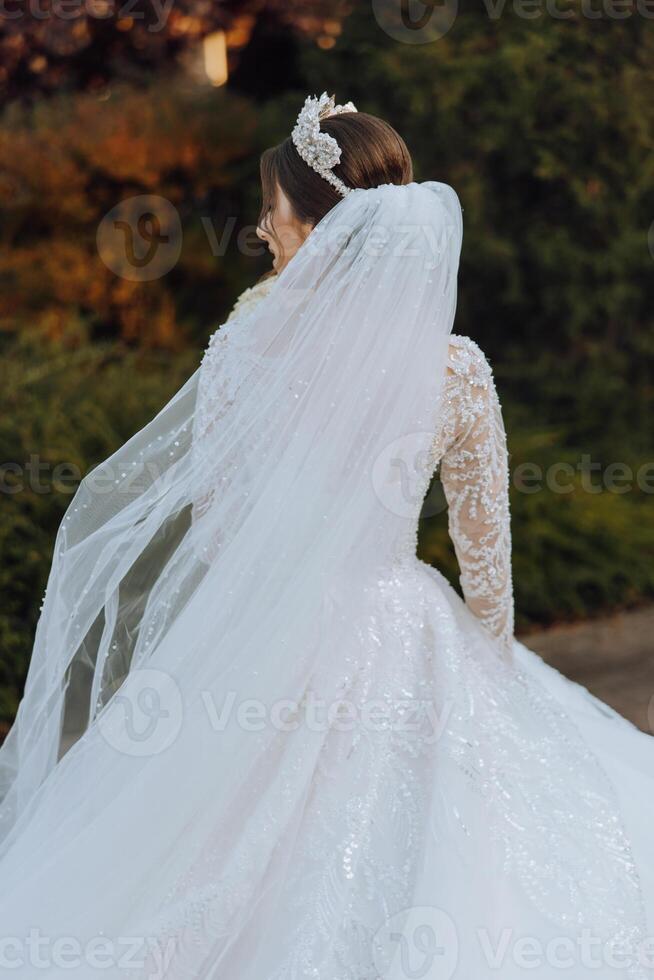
(320, 150)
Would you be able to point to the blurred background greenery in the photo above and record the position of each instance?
(543, 123)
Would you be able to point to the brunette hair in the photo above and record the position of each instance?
(372, 153)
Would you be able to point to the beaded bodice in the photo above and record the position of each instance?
(470, 447)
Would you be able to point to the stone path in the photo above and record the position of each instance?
(613, 657)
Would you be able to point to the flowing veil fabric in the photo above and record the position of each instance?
(254, 480)
(239, 553)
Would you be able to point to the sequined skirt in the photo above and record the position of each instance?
(422, 809)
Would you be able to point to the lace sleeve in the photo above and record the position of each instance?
(474, 473)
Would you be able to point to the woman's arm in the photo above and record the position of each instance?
(475, 477)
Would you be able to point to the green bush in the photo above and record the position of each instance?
(66, 406)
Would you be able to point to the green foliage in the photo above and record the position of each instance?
(66, 406)
(545, 127)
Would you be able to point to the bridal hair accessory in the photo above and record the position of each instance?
(320, 150)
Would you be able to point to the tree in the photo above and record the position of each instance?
(47, 45)
(544, 127)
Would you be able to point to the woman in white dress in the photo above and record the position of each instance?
(296, 752)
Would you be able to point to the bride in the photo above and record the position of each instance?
(260, 740)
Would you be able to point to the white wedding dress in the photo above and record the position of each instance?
(425, 798)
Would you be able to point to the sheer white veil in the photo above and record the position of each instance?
(207, 547)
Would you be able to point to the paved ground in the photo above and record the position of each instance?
(613, 657)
